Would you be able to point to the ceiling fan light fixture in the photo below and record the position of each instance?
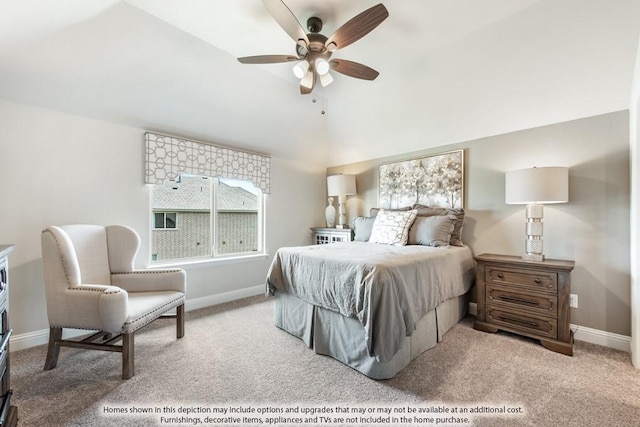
(300, 69)
(313, 50)
(326, 79)
(307, 79)
(322, 66)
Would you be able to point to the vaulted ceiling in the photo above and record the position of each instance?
(450, 70)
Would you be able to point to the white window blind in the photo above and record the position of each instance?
(167, 157)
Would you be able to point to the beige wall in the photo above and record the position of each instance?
(592, 229)
(634, 134)
(58, 168)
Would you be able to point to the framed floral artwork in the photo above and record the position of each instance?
(436, 180)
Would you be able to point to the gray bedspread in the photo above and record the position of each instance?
(387, 288)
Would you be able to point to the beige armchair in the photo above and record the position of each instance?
(90, 283)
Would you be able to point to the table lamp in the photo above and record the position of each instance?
(536, 187)
(341, 186)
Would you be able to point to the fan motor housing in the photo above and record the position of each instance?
(314, 24)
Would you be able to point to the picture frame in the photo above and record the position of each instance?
(435, 180)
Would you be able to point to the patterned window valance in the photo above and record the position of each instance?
(166, 157)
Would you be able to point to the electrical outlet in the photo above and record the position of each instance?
(573, 300)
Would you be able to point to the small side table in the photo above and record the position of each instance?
(323, 235)
(529, 298)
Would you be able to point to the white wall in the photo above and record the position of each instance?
(553, 62)
(61, 169)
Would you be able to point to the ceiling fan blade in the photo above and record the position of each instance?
(287, 20)
(353, 69)
(308, 82)
(267, 59)
(357, 27)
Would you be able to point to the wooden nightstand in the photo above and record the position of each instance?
(323, 235)
(529, 298)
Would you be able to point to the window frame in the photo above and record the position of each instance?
(214, 255)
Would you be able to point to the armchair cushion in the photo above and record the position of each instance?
(145, 307)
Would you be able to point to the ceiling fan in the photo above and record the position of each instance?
(314, 50)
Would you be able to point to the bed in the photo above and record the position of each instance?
(373, 306)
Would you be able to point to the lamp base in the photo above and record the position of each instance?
(533, 257)
(342, 217)
(533, 229)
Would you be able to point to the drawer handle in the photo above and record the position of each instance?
(500, 276)
(538, 281)
(6, 404)
(522, 322)
(519, 300)
(5, 340)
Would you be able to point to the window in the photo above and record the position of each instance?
(198, 217)
(164, 220)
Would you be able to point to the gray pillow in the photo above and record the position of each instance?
(432, 230)
(456, 236)
(362, 226)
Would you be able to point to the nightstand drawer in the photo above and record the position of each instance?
(527, 301)
(537, 325)
(531, 279)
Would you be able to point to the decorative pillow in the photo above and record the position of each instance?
(392, 227)
(432, 230)
(374, 211)
(362, 226)
(456, 235)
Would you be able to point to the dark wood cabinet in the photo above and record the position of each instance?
(8, 412)
(529, 298)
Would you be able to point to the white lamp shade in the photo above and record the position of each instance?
(537, 185)
(326, 79)
(341, 185)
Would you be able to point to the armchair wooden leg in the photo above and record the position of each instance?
(180, 321)
(128, 369)
(53, 351)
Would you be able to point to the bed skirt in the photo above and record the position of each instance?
(343, 338)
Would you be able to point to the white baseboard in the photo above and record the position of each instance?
(596, 336)
(215, 299)
(35, 338)
(590, 335)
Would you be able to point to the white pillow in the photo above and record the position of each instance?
(432, 230)
(392, 227)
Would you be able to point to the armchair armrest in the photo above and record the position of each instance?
(98, 307)
(151, 280)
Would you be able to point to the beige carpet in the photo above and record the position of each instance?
(233, 357)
